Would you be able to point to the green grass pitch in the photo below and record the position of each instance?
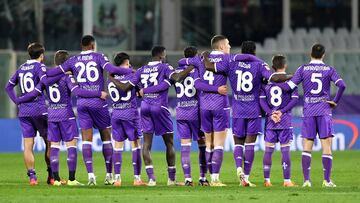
(346, 174)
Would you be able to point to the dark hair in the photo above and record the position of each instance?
(87, 40)
(216, 39)
(278, 61)
(120, 58)
(157, 51)
(317, 51)
(248, 47)
(35, 50)
(190, 52)
(60, 57)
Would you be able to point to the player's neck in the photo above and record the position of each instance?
(280, 71)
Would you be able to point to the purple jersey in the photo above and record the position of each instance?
(123, 103)
(277, 99)
(87, 68)
(316, 79)
(208, 100)
(187, 107)
(28, 76)
(153, 74)
(245, 80)
(59, 97)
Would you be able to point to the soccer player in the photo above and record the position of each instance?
(87, 68)
(316, 78)
(154, 79)
(61, 118)
(277, 106)
(246, 74)
(188, 118)
(125, 120)
(32, 114)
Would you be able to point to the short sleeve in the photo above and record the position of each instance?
(335, 76)
(71, 82)
(14, 79)
(169, 70)
(41, 72)
(103, 60)
(265, 71)
(135, 78)
(297, 78)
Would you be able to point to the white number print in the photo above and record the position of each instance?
(88, 69)
(315, 77)
(152, 77)
(54, 93)
(244, 81)
(186, 88)
(209, 76)
(26, 82)
(275, 93)
(115, 95)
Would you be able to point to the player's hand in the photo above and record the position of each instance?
(68, 73)
(141, 92)
(103, 95)
(222, 90)
(205, 54)
(332, 104)
(276, 116)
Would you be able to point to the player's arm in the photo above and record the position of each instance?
(179, 76)
(294, 100)
(202, 86)
(293, 83)
(246, 57)
(77, 91)
(195, 61)
(60, 70)
(32, 95)
(341, 88)
(219, 67)
(9, 88)
(263, 102)
(164, 85)
(48, 81)
(120, 85)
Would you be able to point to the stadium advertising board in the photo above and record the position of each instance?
(346, 137)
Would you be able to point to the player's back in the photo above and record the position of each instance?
(59, 97)
(87, 68)
(316, 78)
(152, 74)
(187, 107)
(28, 76)
(246, 80)
(277, 99)
(214, 101)
(123, 103)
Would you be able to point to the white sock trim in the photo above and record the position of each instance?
(219, 147)
(119, 149)
(248, 144)
(149, 166)
(239, 145)
(171, 167)
(327, 156)
(71, 147)
(184, 145)
(55, 146)
(87, 142)
(106, 142)
(306, 154)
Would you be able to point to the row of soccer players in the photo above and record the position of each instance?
(245, 74)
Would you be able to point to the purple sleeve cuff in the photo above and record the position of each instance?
(47, 81)
(117, 70)
(340, 92)
(199, 85)
(264, 105)
(290, 105)
(10, 91)
(85, 93)
(157, 88)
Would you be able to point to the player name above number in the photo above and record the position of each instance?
(317, 68)
(244, 65)
(215, 60)
(27, 67)
(150, 70)
(85, 58)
